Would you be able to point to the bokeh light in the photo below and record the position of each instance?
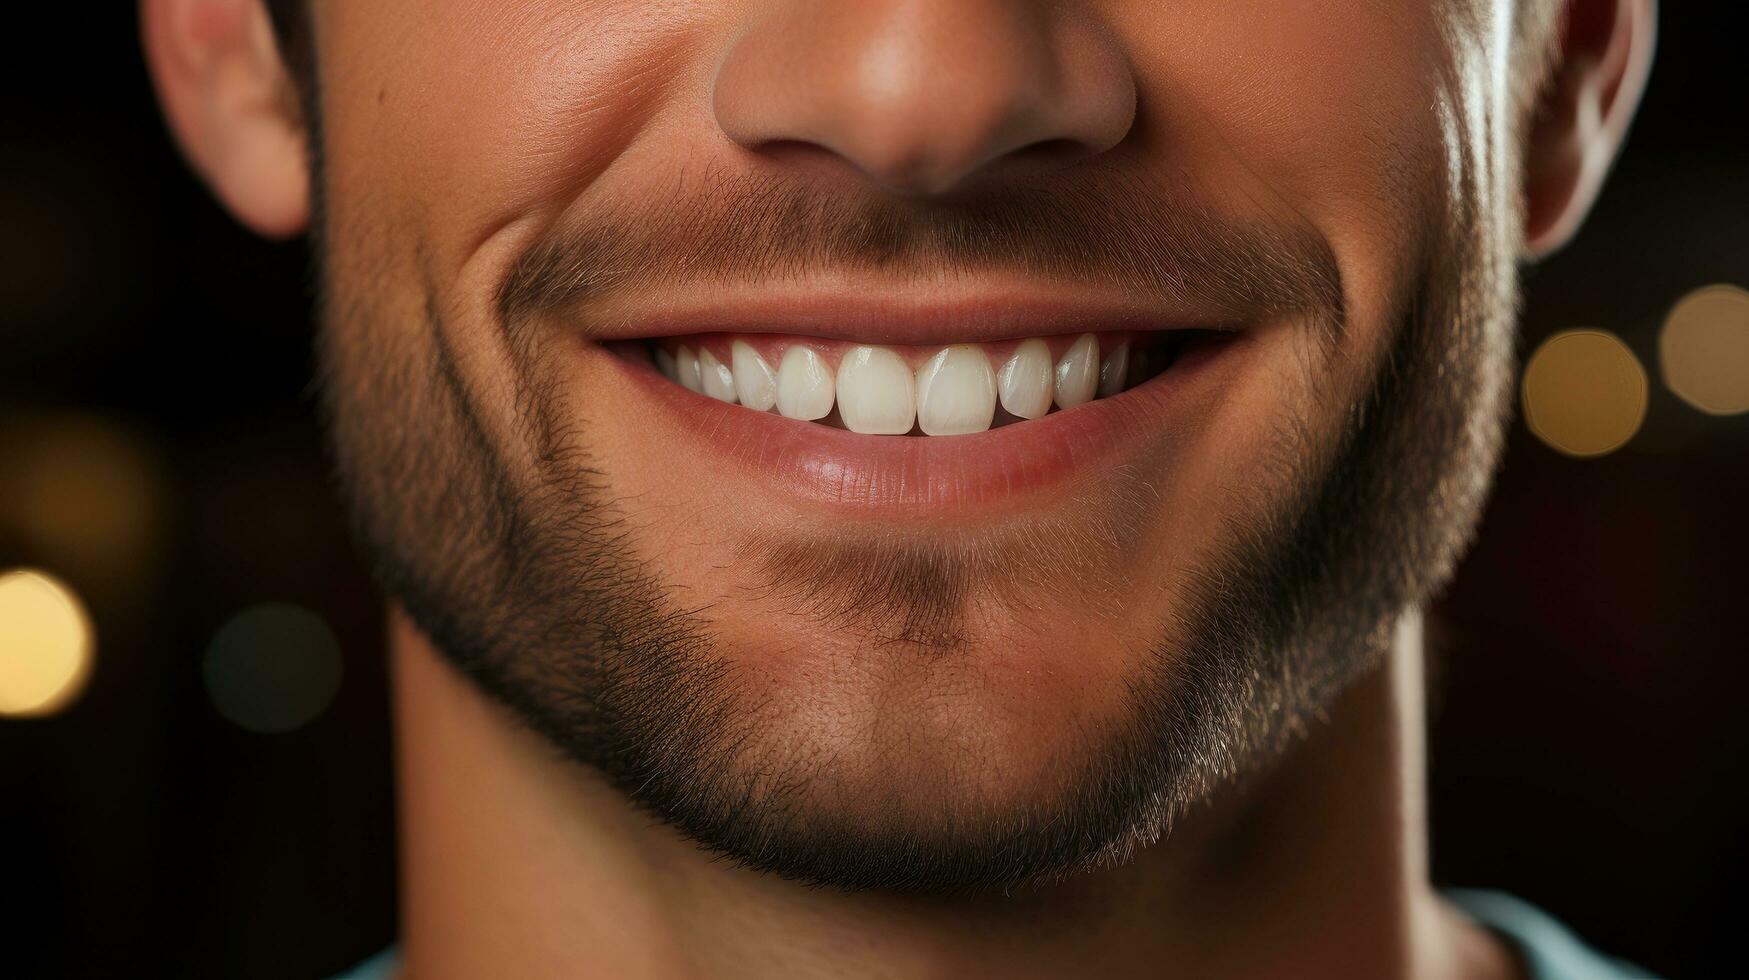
(88, 493)
(1584, 393)
(47, 644)
(1704, 349)
(273, 668)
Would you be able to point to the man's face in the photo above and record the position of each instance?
(926, 661)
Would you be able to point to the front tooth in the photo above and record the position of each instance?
(755, 384)
(804, 386)
(956, 392)
(686, 362)
(1026, 380)
(717, 379)
(875, 393)
(1078, 372)
(665, 364)
(1113, 369)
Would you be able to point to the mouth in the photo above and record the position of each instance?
(986, 427)
(915, 391)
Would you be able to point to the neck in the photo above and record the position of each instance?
(518, 863)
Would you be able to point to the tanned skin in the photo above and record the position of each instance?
(1130, 689)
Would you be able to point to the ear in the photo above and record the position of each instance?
(1604, 56)
(228, 99)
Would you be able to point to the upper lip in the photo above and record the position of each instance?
(900, 313)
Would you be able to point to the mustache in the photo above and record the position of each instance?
(1154, 241)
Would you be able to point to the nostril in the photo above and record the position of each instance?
(923, 97)
(790, 150)
(1051, 152)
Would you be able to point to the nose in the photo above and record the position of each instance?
(924, 96)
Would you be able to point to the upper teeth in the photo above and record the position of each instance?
(755, 382)
(952, 393)
(1078, 372)
(1026, 380)
(804, 385)
(718, 380)
(956, 393)
(877, 393)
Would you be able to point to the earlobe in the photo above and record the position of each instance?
(224, 89)
(1605, 54)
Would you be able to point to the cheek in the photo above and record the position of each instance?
(455, 131)
(474, 114)
(1316, 113)
(1310, 115)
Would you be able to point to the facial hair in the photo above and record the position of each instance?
(532, 590)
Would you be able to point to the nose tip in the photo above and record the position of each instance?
(923, 96)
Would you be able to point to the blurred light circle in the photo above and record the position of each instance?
(272, 668)
(47, 644)
(1584, 392)
(90, 493)
(1704, 349)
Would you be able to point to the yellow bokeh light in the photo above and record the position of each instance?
(46, 644)
(1704, 350)
(1584, 392)
(87, 492)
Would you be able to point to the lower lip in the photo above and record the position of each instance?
(927, 475)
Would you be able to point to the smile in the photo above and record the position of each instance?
(910, 429)
(951, 390)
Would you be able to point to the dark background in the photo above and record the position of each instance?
(1588, 741)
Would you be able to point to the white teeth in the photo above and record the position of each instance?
(1026, 380)
(1078, 372)
(755, 383)
(1113, 369)
(686, 362)
(717, 379)
(956, 392)
(875, 392)
(804, 386)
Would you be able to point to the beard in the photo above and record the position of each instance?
(531, 587)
